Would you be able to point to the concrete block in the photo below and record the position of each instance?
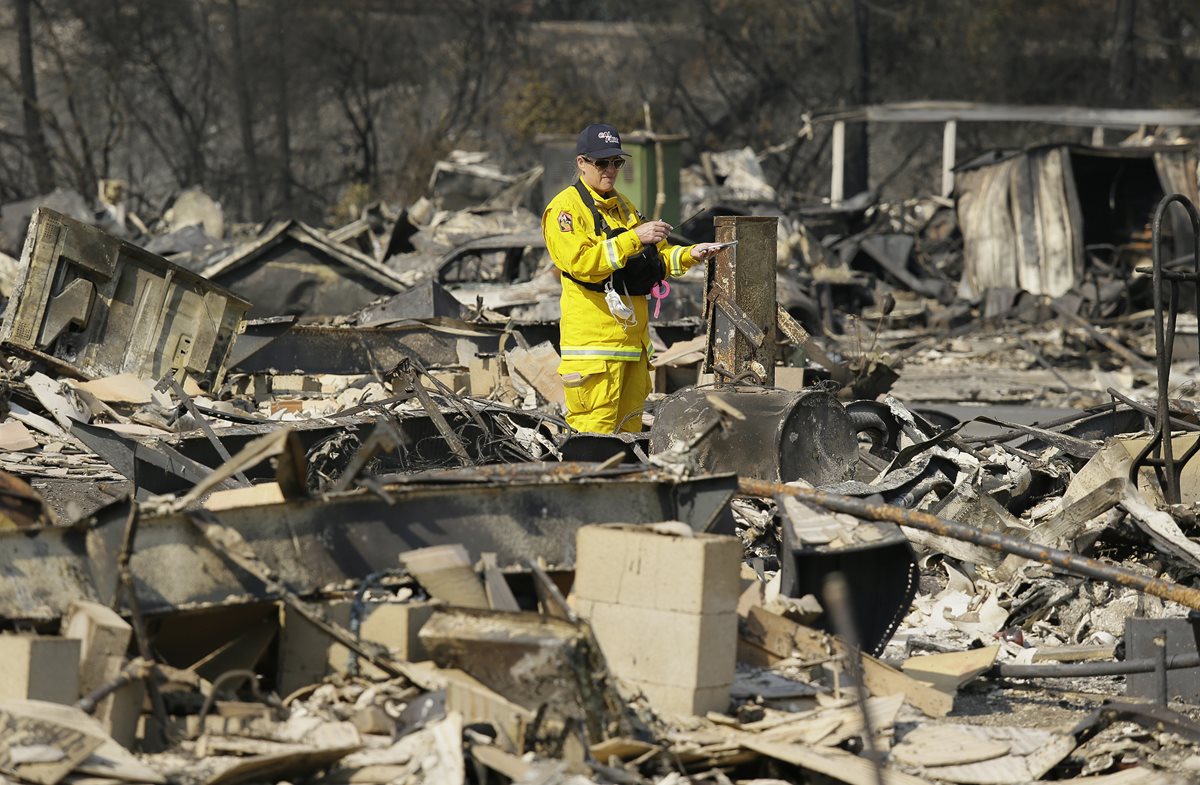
(39, 667)
(790, 378)
(307, 655)
(484, 375)
(635, 566)
(120, 711)
(446, 572)
(666, 699)
(664, 647)
(477, 703)
(102, 635)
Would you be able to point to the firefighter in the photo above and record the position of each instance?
(610, 258)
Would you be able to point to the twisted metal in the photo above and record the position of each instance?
(1159, 452)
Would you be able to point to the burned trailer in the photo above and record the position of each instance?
(1054, 218)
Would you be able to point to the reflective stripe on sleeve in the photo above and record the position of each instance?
(610, 253)
(676, 267)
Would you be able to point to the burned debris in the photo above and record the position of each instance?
(915, 499)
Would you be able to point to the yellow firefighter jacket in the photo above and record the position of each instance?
(589, 335)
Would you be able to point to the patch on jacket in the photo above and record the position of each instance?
(564, 221)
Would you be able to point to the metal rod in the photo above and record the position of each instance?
(206, 428)
(1146, 410)
(1160, 667)
(837, 602)
(135, 670)
(1075, 670)
(1071, 562)
(1169, 469)
(435, 414)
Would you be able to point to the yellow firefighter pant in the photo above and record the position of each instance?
(611, 400)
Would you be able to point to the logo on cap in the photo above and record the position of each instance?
(610, 137)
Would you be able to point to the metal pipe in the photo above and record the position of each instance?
(135, 670)
(1050, 425)
(916, 519)
(1146, 410)
(1160, 667)
(1075, 670)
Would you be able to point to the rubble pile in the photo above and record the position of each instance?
(300, 505)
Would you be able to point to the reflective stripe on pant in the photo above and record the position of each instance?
(605, 401)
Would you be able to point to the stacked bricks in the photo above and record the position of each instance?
(662, 603)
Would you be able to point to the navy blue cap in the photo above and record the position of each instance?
(599, 140)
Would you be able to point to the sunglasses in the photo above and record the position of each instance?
(615, 163)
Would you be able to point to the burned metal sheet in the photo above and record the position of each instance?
(257, 333)
(425, 300)
(314, 349)
(1163, 639)
(41, 570)
(1027, 219)
(582, 446)
(876, 558)
(520, 513)
(93, 305)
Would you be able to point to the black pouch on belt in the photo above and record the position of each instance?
(639, 275)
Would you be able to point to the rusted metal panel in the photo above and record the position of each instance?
(93, 305)
(1026, 218)
(740, 300)
(523, 512)
(1045, 217)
